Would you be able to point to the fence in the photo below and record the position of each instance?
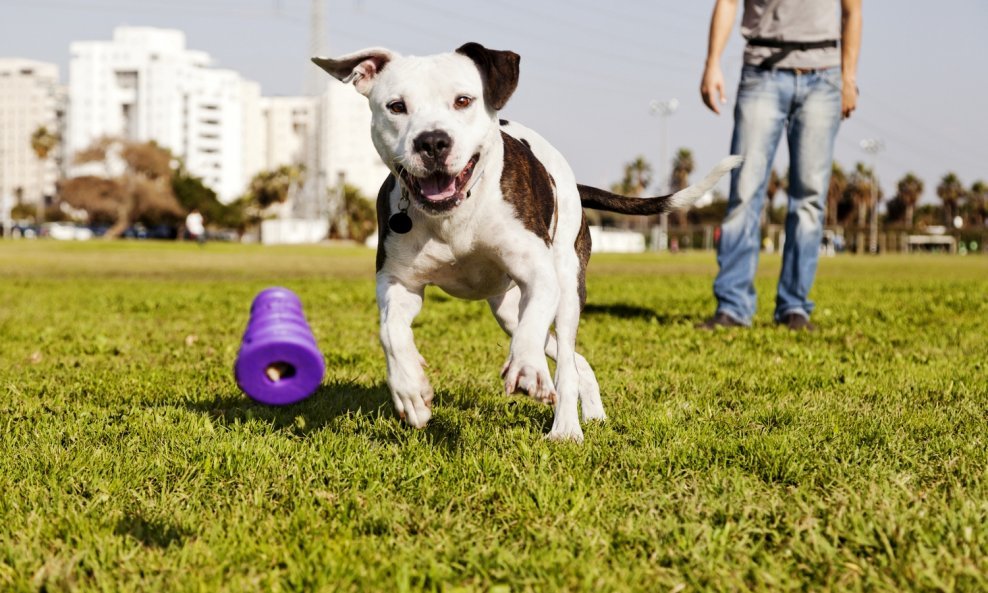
(838, 239)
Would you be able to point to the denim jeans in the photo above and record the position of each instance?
(807, 106)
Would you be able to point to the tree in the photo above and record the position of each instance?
(951, 192)
(636, 178)
(837, 195)
(142, 190)
(96, 195)
(192, 193)
(909, 190)
(859, 189)
(977, 203)
(43, 142)
(682, 166)
(361, 215)
(272, 187)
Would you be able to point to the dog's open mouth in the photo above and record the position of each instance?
(440, 191)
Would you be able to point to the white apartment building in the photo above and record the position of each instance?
(285, 127)
(146, 85)
(346, 141)
(30, 98)
(345, 145)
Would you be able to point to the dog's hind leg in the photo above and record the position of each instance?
(505, 309)
(566, 424)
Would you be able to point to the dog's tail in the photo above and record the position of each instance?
(598, 199)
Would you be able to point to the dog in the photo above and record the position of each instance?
(486, 209)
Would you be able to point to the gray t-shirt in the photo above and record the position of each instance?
(792, 20)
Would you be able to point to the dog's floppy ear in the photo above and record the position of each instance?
(360, 67)
(498, 70)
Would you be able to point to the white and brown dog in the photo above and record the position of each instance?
(483, 209)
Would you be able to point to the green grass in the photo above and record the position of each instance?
(852, 459)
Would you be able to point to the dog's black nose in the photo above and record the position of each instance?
(433, 145)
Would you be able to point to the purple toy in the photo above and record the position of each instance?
(279, 362)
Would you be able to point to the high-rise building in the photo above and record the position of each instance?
(347, 146)
(286, 122)
(145, 85)
(30, 99)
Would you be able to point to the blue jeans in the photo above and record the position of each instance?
(808, 107)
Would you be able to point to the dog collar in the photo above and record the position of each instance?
(400, 222)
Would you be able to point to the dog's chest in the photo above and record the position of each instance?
(462, 270)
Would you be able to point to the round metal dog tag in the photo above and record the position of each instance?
(400, 223)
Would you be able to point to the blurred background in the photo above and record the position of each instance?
(121, 116)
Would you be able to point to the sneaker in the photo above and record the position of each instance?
(719, 320)
(797, 322)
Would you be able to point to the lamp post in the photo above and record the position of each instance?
(663, 109)
(873, 146)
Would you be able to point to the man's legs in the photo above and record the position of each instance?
(812, 129)
(759, 117)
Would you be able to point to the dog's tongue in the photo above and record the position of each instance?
(437, 187)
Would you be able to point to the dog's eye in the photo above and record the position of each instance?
(397, 107)
(462, 102)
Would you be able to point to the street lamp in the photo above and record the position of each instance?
(663, 109)
(873, 146)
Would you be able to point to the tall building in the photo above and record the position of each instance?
(145, 85)
(30, 98)
(347, 146)
(285, 125)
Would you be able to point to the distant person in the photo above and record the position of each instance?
(798, 78)
(194, 226)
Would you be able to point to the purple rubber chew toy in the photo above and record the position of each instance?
(279, 362)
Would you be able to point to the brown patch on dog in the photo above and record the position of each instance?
(498, 70)
(528, 187)
(383, 215)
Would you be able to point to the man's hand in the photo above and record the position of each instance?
(712, 87)
(849, 97)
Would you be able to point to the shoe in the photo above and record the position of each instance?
(797, 322)
(719, 320)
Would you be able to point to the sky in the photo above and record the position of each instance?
(589, 69)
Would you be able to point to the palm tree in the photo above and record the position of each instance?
(43, 142)
(910, 189)
(977, 200)
(951, 192)
(682, 166)
(637, 176)
(835, 192)
(859, 189)
(272, 187)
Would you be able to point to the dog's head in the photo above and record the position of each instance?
(434, 117)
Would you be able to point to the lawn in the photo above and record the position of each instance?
(850, 459)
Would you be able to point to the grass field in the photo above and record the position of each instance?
(850, 459)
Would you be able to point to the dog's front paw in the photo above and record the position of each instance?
(413, 402)
(527, 378)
